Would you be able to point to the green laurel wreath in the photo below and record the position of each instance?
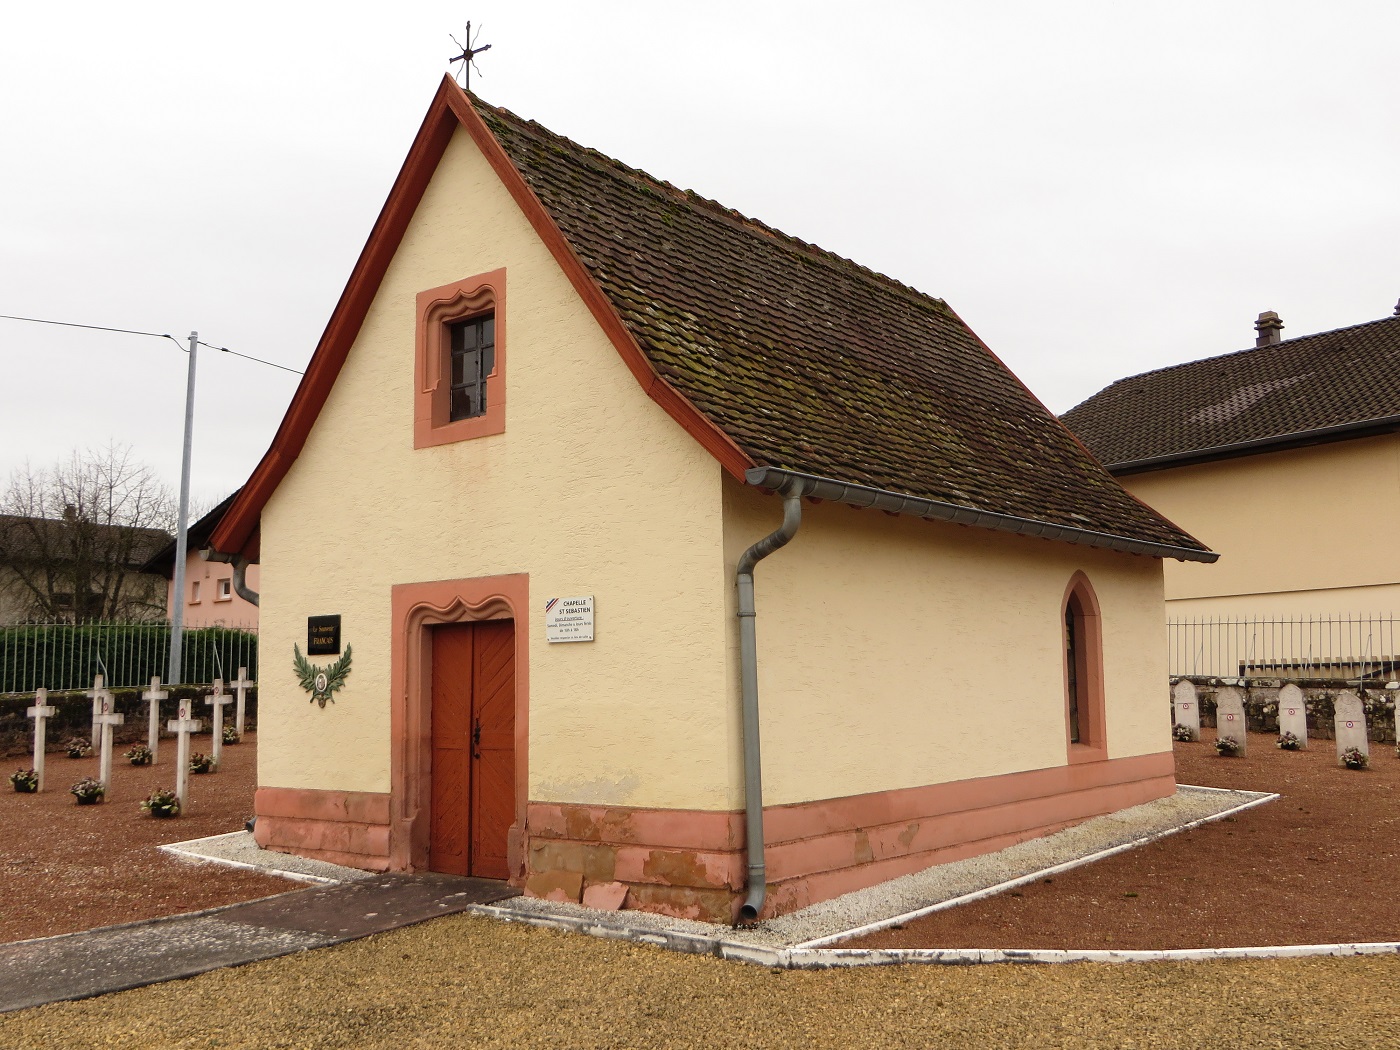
(333, 675)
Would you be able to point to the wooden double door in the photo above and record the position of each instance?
(473, 748)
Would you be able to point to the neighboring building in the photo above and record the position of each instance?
(553, 378)
(64, 569)
(1285, 458)
(211, 598)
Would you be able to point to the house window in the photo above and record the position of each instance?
(473, 348)
(223, 591)
(194, 592)
(460, 361)
(1082, 639)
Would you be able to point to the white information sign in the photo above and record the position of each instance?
(568, 619)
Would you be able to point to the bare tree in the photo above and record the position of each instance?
(74, 536)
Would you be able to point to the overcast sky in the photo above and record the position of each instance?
(1097, 188)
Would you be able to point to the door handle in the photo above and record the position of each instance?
(476, 739)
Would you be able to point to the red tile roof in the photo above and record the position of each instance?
(1316, 387)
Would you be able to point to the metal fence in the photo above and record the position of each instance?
(68, 655)
(1346, 647)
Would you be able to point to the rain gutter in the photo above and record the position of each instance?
(898, 503)
(1273, 443)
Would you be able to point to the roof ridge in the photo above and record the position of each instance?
(1235, 353)
(713, 207)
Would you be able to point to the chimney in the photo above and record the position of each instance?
(1268, 326)
(1397, 308)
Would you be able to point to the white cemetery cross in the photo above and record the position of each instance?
(218, 701)
(1229, 715)
(1186, 707)
(153, 696)
(96, 693)
(1293, 713)
(182, 727)
(107, 718)
(1349, 723)
(41, 712)
(240, 686)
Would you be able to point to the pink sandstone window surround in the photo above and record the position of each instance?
(438, 310)
(1082, 636)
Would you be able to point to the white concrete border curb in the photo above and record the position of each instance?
(1035, 876)
(812, 955)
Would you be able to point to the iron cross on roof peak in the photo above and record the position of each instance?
(468, 55)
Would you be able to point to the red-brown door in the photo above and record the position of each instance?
(473, 740)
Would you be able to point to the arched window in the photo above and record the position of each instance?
(1083, 669)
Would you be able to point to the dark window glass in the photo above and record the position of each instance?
(473, 358)
(1072, 643)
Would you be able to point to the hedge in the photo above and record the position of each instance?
(67, 656)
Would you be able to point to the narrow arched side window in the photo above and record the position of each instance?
(1082, 634)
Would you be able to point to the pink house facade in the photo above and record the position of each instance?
(211, 597)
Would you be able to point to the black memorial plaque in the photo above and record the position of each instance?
(322, 635)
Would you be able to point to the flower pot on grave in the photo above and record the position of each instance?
(25, 781)
(163, 804)
(88, 791)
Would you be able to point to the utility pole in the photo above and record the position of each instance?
(177, 600)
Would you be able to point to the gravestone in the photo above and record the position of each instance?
(41, 712)
(1229, 716)
(182, 727)
(153, 696)
(1293, 713)
(1186, 707)
(240, 686)
(218, 700)
(96, 693)
(1349, 724)
(108, 719)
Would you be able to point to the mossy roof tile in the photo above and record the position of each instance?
(808, 361)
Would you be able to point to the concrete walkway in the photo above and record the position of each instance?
(115, 958)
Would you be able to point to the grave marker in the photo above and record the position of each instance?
(108, 719)
(41, 712)
(1349, 724)
(182, 727)
(96, 693)
(1293, 713)
(1187, 707)
(1229, 716)
(218, 700)
(241, 685)
(153, 696)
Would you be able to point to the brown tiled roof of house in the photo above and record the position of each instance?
(1316, 386)
(809, 362)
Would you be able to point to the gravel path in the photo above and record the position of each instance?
(470, 982)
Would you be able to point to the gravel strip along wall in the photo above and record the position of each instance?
(791, 940)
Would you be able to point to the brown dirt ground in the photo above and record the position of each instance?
(1316, 866)
(67, 867)
(470, 982)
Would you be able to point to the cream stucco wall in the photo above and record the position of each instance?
(895, 652)
(592, 489)
(1303, 532)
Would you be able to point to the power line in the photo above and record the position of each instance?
(249, 357)
(153, 335)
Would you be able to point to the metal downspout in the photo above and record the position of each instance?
(748, 674)
(240, 568)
